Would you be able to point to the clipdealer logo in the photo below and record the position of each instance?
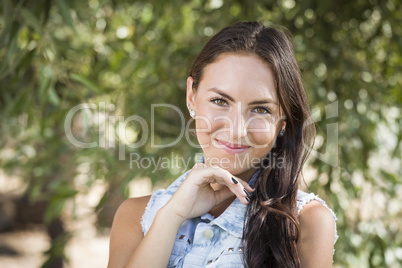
(118, 131)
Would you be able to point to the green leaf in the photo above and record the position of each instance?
(65, 13)
(54, 210)
(85, 82)
(8, 22)
(65, 192)
(31, 20)
(53, 97)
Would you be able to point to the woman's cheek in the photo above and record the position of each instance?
(205, 126)
(262, 132)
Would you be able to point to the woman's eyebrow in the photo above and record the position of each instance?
(223, 94)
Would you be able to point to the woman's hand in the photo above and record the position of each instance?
(195, 196)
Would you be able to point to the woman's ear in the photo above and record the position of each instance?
(283, 125)
(282, 128)
(190, 93)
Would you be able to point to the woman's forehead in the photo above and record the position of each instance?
(235, 74)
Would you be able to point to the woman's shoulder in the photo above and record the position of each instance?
(304, 199)
(315, 216)
(317, 235)
(126, 231)
(135, 202)
(140, 204)
(132, 208)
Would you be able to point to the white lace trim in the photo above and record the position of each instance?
(305, 198)
(148, 209)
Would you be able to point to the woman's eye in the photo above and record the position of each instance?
(259, 109)
(220, 102)
(262, 110)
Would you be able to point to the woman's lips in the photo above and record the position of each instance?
(233, 148)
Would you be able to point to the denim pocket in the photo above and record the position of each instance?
(228, 258)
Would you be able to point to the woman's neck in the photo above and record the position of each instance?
(246, 175)
(219, 209)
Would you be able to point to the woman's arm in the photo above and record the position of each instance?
(316, 241)
(126, 231)
(194, 197)
(128, 248)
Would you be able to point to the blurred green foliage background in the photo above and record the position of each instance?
(123, 56)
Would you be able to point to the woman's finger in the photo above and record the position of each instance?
(216, 174)
(245, 184)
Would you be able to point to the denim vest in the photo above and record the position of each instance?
(206, 241)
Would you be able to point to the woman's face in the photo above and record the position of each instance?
(237, 112)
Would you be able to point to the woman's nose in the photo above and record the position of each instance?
(239, 128)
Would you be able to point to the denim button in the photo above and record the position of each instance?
(208, 234)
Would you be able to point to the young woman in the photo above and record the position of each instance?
(240, 206)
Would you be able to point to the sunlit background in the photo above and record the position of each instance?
(111, 60)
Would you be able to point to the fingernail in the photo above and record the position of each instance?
(252, 187)
(245, 191)
(248, 199)
(234, 181)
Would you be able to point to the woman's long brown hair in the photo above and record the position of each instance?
(271, 226)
